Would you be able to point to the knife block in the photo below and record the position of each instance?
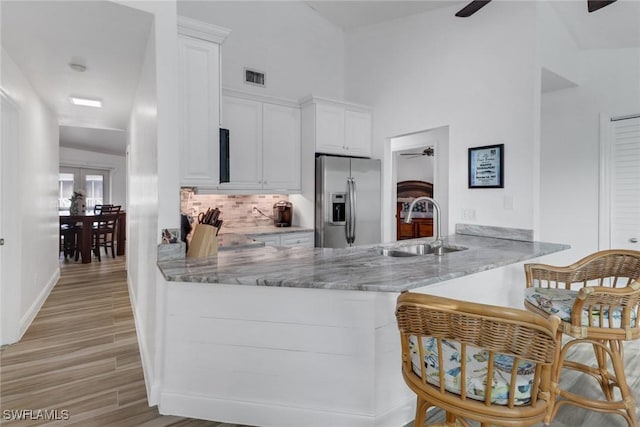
(204, 242)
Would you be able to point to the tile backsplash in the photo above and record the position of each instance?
(237, 210)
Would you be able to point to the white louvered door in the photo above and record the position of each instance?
(624, 173)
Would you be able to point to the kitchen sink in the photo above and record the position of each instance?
(394, 252)
(415, 250)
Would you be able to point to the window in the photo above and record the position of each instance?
(94, 183)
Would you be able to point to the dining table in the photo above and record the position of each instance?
(84, 222)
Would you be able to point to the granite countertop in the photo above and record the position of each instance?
(358, 268)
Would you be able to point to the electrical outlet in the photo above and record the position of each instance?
(469, 214)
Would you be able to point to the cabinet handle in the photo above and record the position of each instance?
(633, 240)
(264, 182)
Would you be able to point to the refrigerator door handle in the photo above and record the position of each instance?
(354, 210)
(348, 213)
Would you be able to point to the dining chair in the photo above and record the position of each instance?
(477, 362)
(104, 230)
(597, 299)
(68, 240)
(97, 209)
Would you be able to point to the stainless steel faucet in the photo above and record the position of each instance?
(438, 247)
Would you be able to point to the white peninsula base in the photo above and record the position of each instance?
(292, 357)
(283, 357)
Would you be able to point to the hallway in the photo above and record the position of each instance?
(79, 359)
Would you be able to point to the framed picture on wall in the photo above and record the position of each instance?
(486, 166)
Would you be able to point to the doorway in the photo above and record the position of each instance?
(410, 157)
(10, 244)
(620, 183)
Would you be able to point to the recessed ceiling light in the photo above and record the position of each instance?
(85, 102)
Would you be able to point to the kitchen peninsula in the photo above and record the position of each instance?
(307, 336)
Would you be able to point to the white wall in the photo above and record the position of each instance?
(143, 203)
(300, 52)
(570, 139)
(117, 166)
(432, 70)
(558, 50)
(36, 202)
(415, 167)
(153, 186)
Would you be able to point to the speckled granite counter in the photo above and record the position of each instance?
(358, 268)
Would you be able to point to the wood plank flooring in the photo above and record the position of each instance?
(80, 357)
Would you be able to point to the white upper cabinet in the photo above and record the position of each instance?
(280, 147)
(243, 118)
(330, 121)
(264, 143)
(338, 127)
(357, 132)
(199, 97)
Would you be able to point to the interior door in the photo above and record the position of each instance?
(624, 172)
(10, 246)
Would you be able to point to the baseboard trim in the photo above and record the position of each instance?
(264, 415)
(32, 312)
(147, 366)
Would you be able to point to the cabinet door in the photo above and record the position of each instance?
(357, 130)
(200, 111)
(243, 118)
(298, 239)
(280, 148)
(405, 231)
(424, 227)
(268, 239)
(329, 129)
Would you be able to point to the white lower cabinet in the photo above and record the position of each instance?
(288, 240)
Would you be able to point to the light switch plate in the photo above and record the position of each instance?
(508, 203)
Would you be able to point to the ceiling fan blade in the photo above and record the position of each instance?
(593, 5)
(472, 8)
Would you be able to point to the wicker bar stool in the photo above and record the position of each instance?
(477, 362)
(597, 299)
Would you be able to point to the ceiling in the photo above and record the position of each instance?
(43, 37)
(352, 14)
(615, 26)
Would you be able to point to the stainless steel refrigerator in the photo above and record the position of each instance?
(348, 201)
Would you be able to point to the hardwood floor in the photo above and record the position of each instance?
(79, 358)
